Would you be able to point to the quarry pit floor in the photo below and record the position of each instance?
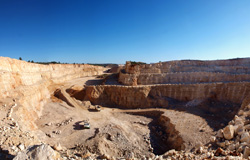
(118, 132)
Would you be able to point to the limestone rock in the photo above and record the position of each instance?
(21, 147)
(228, 132)
(238, 120)
(58, 147)
(247, 126)
(220, 134)
(231, 147)
(246, 152)
(239, 129)
(213, 139)
(245, 137)
(38, 152)
(221, 144)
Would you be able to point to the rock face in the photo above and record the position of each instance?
(180, 77)
(39, 152)
(29, 84)
(158, 95)
(190, 71)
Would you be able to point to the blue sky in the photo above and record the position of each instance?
(115, 31)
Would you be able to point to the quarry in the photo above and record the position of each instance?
(187, 109)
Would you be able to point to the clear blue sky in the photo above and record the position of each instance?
(101, 31)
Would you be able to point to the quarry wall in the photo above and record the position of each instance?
(144, 96)
(29, 84)
(241, 65)
(180, 77)
(186, 71)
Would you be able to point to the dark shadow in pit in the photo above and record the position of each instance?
(215, 112)
(159, 139)
(93, 110)
(94, 82)
(4, 155)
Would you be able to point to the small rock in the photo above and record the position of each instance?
(212, 139)
(239, 129)
(246, 152)
(245, 137)
(228, 132)
(238, 121)
(247, 126)
(231, 122)
(237, 145)
(48, 124)
(200, 150)
(171, 152)
(221, 144)
(21, 147)
(58, 147)
(240, 149)
(220, 134)
(14, 148)
(219, 152)
(231, 147)
(227, 142)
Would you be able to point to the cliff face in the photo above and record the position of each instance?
(159, 95)
(240, 65)
(181, 77)
(29, 84)
(234, 70)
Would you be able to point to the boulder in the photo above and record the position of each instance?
(228, 132)
(38, 152)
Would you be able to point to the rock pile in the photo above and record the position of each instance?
(235, 137)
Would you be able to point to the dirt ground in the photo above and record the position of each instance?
(115, 132)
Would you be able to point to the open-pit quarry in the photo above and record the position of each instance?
(168, 110)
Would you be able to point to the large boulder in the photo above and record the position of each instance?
(228, 132)
(38, 152)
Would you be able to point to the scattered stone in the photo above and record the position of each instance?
(240, 129)
(48, 124)
(228, 132)
(213, 139)
(21, 147)
(231, 147)
(220, 134)
(247, 126)
(200, 150)
(219, 152)
(246, 152)
(245, 137)
(238, 121)
(221, 144)
(58, 147)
